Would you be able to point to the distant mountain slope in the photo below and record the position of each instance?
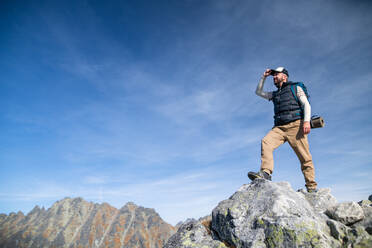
(78, 223)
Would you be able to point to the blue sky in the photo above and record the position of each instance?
(153, 101)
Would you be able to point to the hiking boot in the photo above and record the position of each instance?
(312, 190)
(261, 174)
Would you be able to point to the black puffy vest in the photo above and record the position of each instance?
(286, 107)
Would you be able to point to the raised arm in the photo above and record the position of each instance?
(259, 89)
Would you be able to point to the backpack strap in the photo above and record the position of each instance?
(294, 90)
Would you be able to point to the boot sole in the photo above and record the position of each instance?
(253, 176)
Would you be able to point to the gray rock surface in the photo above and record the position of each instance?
(321, 201)
(365, 203)
(338, 230)
(366, 223)
(267, 214)
(193, 233)
(347, 213)
(349, 237)
(270, 214)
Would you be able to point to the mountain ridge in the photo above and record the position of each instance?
(74, 222)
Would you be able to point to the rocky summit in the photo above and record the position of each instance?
(78, 223)
(272, 214)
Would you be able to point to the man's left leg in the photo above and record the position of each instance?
(299, 143)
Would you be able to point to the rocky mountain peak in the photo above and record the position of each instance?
(74, 222)
(272, 214)
(68, 201)
(129, 206)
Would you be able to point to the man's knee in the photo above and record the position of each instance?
(266, 144)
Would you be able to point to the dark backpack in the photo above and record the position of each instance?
(294, 91)
(316, 120)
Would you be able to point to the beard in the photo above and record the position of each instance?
(277, 83)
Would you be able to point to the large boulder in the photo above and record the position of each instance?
(272, 214)
(193, 234)
(347, 213)
(267, 214)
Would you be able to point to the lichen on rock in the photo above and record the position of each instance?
(271, 214)
(193, 234)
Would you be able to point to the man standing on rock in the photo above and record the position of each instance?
(291, 123)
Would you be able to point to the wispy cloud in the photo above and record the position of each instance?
(350, 191)
(166, 194)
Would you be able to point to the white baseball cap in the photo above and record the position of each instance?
(281, 69)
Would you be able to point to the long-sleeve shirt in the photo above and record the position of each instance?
(300, 95)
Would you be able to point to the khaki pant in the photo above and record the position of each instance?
(293, 133)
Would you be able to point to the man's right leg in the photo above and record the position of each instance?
(269, 143)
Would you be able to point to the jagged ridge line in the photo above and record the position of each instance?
(29, 224)
(33, 238)
(126, 230)
(62, 228)
(83, 223)
(108, 227)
